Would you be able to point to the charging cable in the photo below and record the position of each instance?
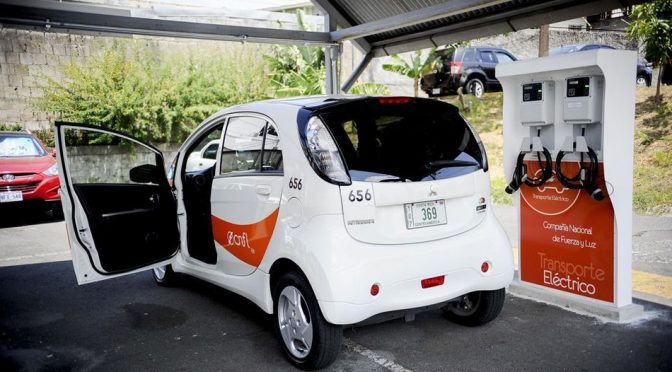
(585, 178)
(521, 176)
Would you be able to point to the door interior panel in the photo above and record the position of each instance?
(196, 195)
(132, 225)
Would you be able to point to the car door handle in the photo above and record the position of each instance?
(263, 190)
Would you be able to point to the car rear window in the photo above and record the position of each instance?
(13, 146)
(469, 56)
(418, 140)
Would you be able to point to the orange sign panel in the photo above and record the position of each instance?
(567, 238)
(247, 242)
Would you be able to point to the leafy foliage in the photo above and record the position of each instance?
(652, 22)
(155, 98)
(297, 70)
(10, 127)
(372, 89)
(416, 68)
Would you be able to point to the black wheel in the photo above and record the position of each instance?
(476, 308)
(164, 276)
(309, 341)
(642, 81)
(475, 87)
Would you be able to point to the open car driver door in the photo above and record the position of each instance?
(119, 209)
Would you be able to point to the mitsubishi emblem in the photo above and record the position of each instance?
(8, 177)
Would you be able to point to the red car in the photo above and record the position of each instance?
(28, 171)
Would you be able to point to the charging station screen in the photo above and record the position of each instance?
(532, 92)
(578, 87)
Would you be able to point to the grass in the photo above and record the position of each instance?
(653, 147)
(653, 153)
(485, 115)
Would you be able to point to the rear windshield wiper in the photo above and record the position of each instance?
(438, 164)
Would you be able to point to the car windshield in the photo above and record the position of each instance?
(14, 146)
(402, 142)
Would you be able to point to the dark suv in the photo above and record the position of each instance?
(472, 68)
(644, 71)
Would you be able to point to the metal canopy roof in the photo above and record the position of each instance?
(396, 26)
(376, 27)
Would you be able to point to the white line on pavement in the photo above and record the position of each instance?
(39, 255)
(390, 365)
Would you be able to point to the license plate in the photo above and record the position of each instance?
(424, 214)
(436, 91)
(10, 196)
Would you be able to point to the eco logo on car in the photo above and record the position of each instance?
(238, 240)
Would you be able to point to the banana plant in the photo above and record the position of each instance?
(416, 68)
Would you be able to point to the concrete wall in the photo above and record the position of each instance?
(111, 164)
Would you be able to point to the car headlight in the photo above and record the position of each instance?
(51, 171)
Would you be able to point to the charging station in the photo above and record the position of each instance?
(568, 154)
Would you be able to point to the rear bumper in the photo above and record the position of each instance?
(349, 268)
(444, 87)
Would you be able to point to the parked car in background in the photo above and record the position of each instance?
(28, 171)
(204, 158)
(472, 68)
(644, 71)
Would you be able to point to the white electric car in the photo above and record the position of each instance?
(324, 211)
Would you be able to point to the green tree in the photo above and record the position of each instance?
(297, 70)
(416, 68)
(652, 23)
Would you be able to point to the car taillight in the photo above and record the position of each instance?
(323, 152)
(455, 67)
(393, 100)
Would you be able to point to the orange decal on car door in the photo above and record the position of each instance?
(247, 242)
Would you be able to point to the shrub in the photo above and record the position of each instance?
(158, 98)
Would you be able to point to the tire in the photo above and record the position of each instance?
(164, 276)
(642, 81)
(475, 87)
(296, 308)
(476, 308)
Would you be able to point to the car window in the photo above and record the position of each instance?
(487, 57)
(503, 57)
(590, 47)
(210, 152)
(243, 144)
(469, 56)
(12, 146)
(89, 162)
(417, 142)
(203, 154)
(459, 53)
(272, 157)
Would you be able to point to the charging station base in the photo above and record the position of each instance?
(623, 314)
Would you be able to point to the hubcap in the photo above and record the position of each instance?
(160, 272)
(476, 89)
(641, 81)
(467, 305)
(295, 322)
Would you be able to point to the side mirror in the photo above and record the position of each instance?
(146, 173)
